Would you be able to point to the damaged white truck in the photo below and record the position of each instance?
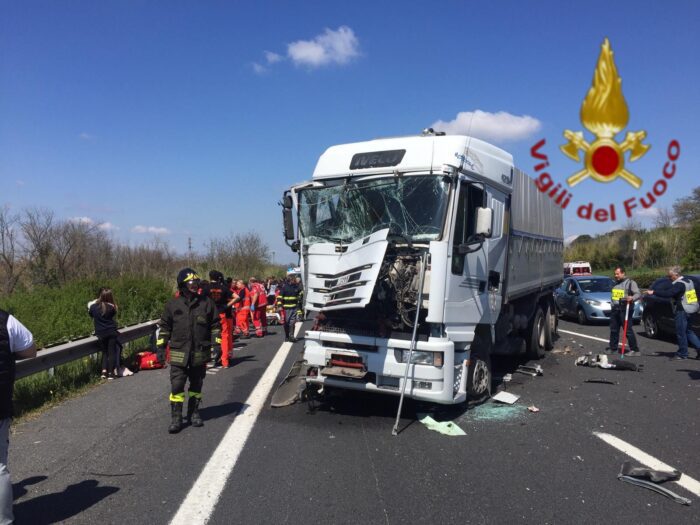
(381, 217)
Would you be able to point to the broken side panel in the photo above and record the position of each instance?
(343, 276)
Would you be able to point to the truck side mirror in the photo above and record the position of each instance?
(287, 203)
(288, 220)
(484, 221)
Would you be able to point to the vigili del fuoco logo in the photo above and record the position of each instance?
(604, 113)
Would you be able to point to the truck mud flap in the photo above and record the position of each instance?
(290, 390)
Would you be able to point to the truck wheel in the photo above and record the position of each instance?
(650, 327)
(551, 328)
(479, 377)
(536, 340)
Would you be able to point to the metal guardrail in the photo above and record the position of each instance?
(65, 353)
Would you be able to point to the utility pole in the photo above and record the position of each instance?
(189, 251)
(634, 251)
(273, 257)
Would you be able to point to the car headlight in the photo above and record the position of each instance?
(593, 302)
(419, 357)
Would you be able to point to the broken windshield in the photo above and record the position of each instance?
(413, 207)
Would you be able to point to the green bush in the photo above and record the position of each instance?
(56, 315)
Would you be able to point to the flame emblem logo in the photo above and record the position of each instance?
(604, 113)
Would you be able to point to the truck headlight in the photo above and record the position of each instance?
(419, 357)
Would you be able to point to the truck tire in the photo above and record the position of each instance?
(536, 338)
(551, 328)
(479, 376)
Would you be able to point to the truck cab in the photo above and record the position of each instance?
(380, 217)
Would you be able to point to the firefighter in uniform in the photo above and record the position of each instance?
(623, 294)
(190, 325)
(289, 301)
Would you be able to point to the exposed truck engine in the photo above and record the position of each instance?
(452, 212)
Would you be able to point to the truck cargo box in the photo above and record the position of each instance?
(536, 242)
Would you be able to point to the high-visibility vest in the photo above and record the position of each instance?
(689, 300)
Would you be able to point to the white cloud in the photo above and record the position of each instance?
(272, 58)
(330, 47)
(259, 69)
(493, 127)
(107, 226)
(648, 213)
(81, 220)
(86, 136)
(19, 182)
(156, 230)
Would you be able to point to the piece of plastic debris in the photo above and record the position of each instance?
(506, 397)
(633, 475)
(533, 408)
(533, 371)
(448, 428)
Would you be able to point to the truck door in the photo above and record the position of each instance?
(466, 296)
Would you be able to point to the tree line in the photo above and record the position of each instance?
(673, 239)
(39, 249)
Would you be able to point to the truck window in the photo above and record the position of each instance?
(470, 197)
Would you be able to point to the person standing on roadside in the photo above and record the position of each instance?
(684, 302)
(241, 300)
(16, 342)
(191, 325)
(258, 305)
(289, 302)
(103, 312)
(623, 295)
(222, 296)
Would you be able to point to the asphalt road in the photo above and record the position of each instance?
(107, 457)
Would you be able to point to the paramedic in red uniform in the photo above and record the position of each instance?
(258, 304)
(223, 298)
(241, 299)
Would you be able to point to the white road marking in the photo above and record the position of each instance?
(688, 483)
(206, 490)
(584, 335)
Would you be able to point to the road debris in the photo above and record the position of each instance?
(448, 428)
(528, 370)
(601, 361)
(601, 381)
(533, 408)
(505, 397)
(639, 476)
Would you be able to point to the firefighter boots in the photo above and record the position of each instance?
(175, 417)
(193, 412)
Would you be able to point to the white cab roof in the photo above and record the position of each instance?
(421, 153)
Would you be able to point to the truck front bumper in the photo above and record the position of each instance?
(437, 384)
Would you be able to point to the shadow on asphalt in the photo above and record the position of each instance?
(227, 409)
(692, 374)
(20, 489)
(667, 355)
(241, 359)
(359, 404)
(60, 506)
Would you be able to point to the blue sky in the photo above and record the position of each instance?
(193, 117)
